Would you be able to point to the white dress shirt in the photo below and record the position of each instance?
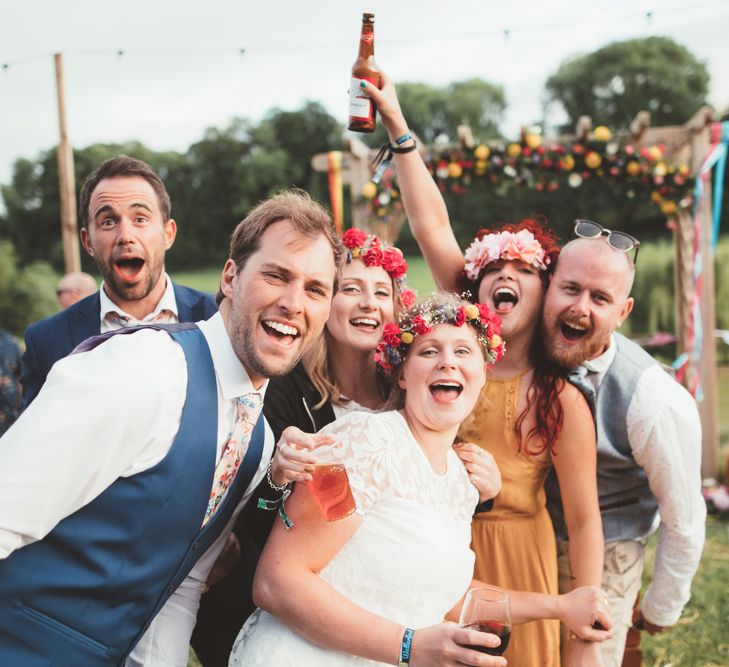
(167, 304)
(664, 434)
(126, 395)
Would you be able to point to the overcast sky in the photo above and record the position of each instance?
(182, 70)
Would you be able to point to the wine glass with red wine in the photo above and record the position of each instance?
(488, 610)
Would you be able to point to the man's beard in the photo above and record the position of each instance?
(242, 328)
(568, 357)
(135, 292)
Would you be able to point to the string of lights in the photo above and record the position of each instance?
(507, 32)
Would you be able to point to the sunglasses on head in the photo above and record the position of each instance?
(587, 229)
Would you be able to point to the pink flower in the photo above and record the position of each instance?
(460, 316)
(354, 238)
(482, 252)
(407, 298)
(523, 247)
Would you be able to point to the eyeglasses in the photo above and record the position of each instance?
(587, 229)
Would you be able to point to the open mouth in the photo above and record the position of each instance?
(129, 268)
(446, 392)
(365, 324)
(283, 333)
(504, 300)
(573, 331)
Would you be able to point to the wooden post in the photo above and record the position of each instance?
(357, 172)
(689, 143)
(708, 407)
(66, 180)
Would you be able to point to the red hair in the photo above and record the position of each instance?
(547, 378)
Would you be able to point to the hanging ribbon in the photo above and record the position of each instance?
(722, 149)
(719, 136)
(336, 195)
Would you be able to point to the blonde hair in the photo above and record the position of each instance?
(316, 363)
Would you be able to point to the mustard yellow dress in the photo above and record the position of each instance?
(514, 542)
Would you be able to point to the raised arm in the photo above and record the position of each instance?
(423, 202)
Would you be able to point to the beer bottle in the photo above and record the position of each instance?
(362, 109)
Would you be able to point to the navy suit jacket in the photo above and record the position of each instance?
(55, 337)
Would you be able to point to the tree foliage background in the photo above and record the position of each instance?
(223, 175)
(612, 84)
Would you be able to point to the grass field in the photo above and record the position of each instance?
(700, 638)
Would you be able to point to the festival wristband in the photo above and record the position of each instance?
(384, 156)
(407, 642)
(405, 137)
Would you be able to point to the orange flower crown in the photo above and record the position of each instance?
(373, 252)
(396, 338)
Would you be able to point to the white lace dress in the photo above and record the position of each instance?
(409, 560)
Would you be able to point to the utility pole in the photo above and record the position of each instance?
(66, 180)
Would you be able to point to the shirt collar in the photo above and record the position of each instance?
(600, 364)
(232, 376)
(167, 302)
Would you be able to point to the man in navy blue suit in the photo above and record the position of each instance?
(127, 227)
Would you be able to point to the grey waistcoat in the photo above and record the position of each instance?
(627, 506)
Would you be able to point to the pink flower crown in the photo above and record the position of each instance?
(373, 252)
(521, 246)
(396, 338)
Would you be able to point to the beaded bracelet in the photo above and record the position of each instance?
(407, 642)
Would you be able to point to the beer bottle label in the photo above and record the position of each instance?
(360, 106)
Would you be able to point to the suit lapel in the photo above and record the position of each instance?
(85, 320)
(185, 305)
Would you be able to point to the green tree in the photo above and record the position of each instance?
(432, 110)
(26, 294)
(615, 82)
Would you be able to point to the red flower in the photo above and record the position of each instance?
(353, 237)
(489, 319)
(391, 334)
(373, 256)
(460, 316)
(420, 326)
(394, 263)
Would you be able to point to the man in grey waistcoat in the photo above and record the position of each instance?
(648, 437)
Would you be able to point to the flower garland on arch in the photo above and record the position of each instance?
(532, 164)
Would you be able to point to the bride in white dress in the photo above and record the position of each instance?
(344, 592)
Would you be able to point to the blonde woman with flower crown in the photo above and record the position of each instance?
(529, 418)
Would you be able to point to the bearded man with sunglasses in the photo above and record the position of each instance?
(648, 435)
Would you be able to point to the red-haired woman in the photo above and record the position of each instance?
(529, 418)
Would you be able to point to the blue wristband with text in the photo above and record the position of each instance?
(407, 641)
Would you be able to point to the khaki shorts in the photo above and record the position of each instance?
(621, 580)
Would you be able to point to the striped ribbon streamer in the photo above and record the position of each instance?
(336, 194)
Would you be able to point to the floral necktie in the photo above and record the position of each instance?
(248, 408)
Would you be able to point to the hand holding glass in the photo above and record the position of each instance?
(330, 484)
(488, 610)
